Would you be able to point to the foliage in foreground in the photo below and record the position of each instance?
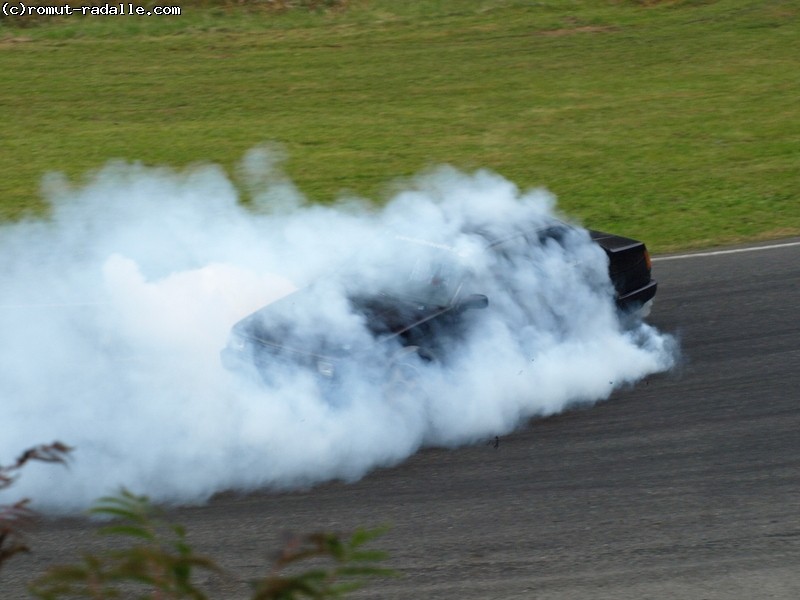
(14, 518)
(156, 561)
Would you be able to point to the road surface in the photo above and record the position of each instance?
(686, 486)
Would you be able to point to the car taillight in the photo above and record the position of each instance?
(647, 261)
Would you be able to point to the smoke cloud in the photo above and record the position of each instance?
(114, 310)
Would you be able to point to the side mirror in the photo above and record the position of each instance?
(474, 301)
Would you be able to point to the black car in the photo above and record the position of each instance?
(428, 307)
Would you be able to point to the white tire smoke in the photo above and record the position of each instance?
(114, 311)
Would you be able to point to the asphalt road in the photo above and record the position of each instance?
(686, 486)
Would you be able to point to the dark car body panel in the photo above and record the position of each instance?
(628, 267)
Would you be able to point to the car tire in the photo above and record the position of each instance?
(632, 318)
(404, 380)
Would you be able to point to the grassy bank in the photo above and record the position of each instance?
(674, 121)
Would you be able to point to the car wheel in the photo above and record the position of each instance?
(644, 311)
(404, 379)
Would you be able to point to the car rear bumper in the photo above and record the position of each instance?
(637, 298)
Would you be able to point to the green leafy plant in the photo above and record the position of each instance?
(349, 566)
(159, 560)
(158, 563)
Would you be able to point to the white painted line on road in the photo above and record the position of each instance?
(719, 252)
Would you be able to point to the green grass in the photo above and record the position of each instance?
(677, 122)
